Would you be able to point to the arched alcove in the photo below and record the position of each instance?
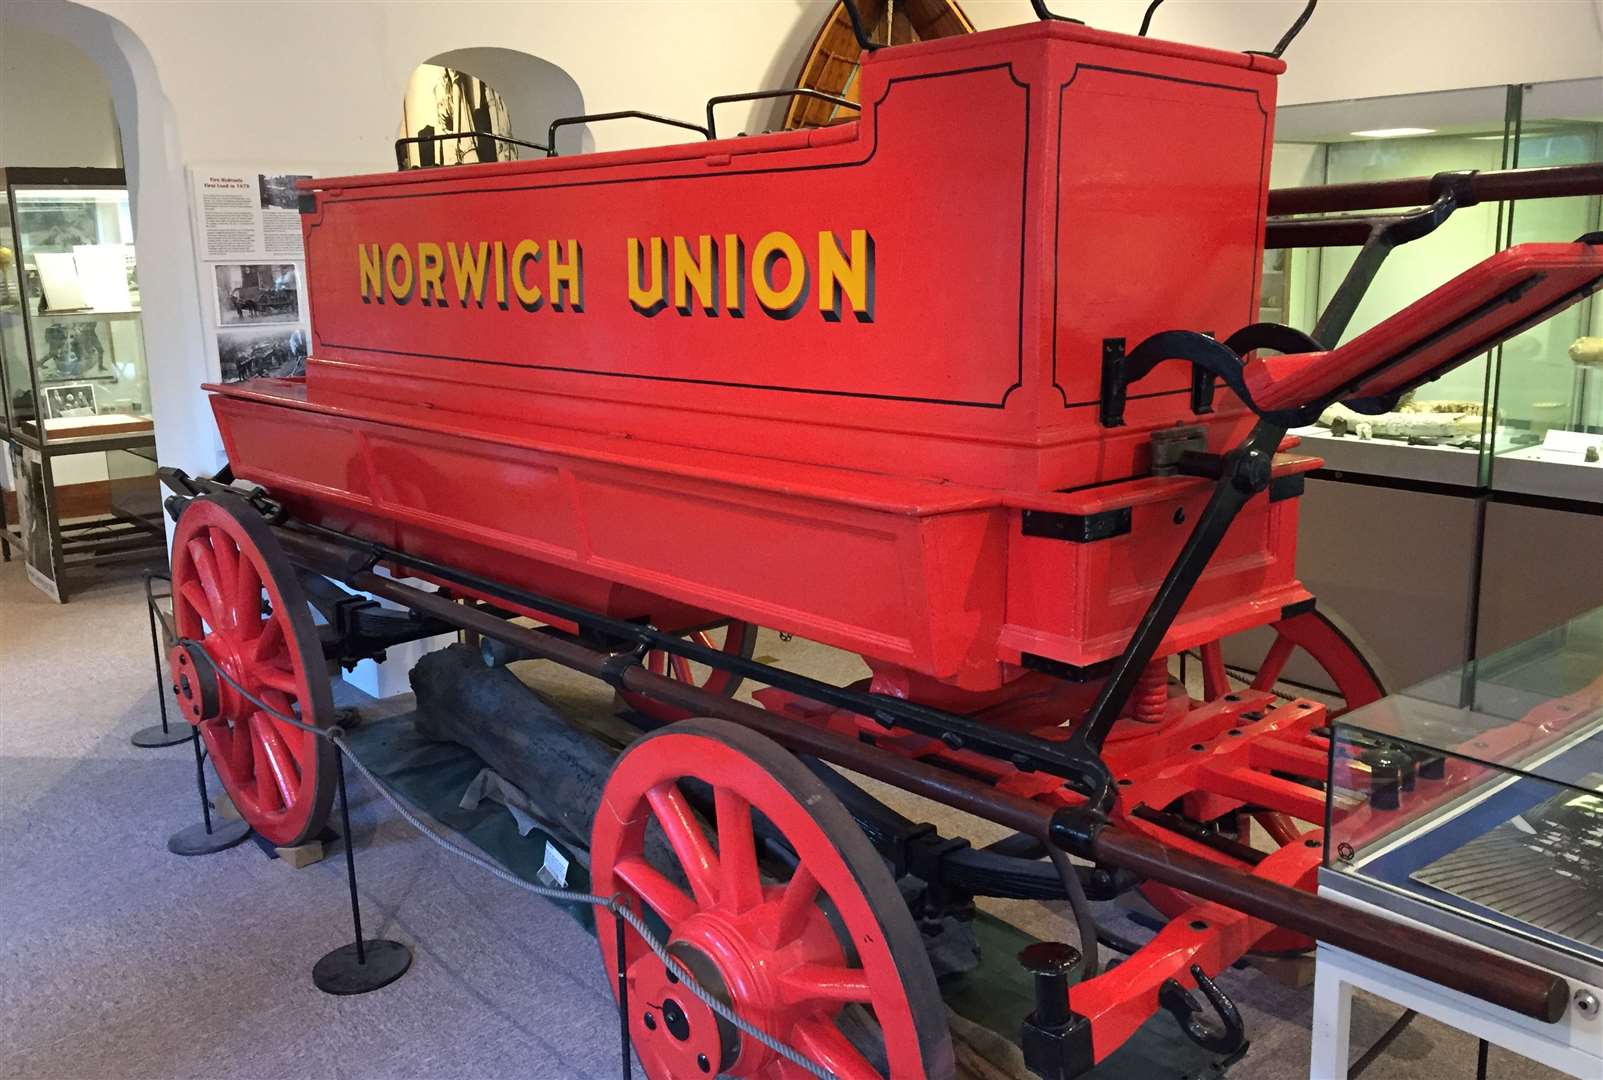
(145, 119)
(534, 92)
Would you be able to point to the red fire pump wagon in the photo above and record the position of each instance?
(973, 386)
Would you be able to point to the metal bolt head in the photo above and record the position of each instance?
(1586, 1003)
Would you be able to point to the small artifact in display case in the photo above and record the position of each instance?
(1444, 421)
(1474, 801)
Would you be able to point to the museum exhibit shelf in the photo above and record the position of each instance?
(74, 384)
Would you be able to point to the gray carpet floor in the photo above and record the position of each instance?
(119, 960)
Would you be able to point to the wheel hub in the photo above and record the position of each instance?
(195, 684)
(679, 1027)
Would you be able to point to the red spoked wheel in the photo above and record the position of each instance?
(1355, 682)
(732, 638)
(235, 593)
(1332, 648)
(806, 958)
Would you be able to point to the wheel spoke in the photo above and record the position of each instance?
(824, 982)
(681, 670)
(277, 678)
(248, 596)
(200, 557)
(822, 1041)
(271, 641)
(278, 757)
(742, 886)
(795, 904)
(657, 662)
(704, 639)
(266, 786)
(1280, 827)
(225, 556)
(196, 597)
(1215, 680)
(240, 760)
(294, 739)
(688, 841)
(654, 888)
(1274, 663)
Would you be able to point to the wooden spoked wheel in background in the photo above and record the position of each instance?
(793, 952)
(235, 593)
(1331, 647)
(733, 638)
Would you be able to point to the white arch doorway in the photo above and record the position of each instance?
(152, 161)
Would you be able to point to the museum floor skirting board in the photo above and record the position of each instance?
(115, 961)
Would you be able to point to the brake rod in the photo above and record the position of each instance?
(1499, 980)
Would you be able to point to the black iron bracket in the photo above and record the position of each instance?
(1119, 370)
(1076, 528)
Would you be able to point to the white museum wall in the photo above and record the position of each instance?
(217, 82)
(55, 110)
(55, 106)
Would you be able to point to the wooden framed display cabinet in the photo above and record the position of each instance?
(78, 439)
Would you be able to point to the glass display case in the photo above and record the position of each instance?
(1527, 417)
(74, 359)
(1473, 802)
(75, 427)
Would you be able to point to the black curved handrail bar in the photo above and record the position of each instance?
(760, 95)
(401, 144)
(625, 114)
(1285, 41)
(1146, 20)
(864, 42)
(1045, 15)
(1290, 35)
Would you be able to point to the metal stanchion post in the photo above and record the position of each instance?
(365, 964)
(158, 734)
(202, 838)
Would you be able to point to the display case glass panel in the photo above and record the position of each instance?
(1549, 386)
(16, 387)
(1439, 433)
(80, 314)
(1478, 796)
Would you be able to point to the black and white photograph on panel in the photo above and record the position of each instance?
(257, 293)
(278, 192)
(271, 352)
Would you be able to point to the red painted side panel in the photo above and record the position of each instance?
(924, 292)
